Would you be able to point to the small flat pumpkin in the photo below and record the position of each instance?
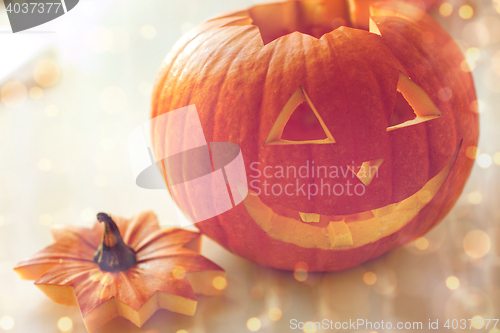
(122, 267)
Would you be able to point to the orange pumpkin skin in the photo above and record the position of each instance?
(240, 86)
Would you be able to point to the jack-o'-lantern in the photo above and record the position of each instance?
(353, 132)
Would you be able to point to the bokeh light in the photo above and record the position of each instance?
(253, 324)
(475, 197)
(445, 9)
(424, 196)
(219, 282)
(496, 158)
(477, 106)
(309, 327)
(36, 92)
(475, 33)
(492, 23)
(387, 282)
(495, 61)
(473, 53)
(471, 152)
(452, 282)
(179, 272)
(13, 94)
(300, 271)
(274, 314)
(484, 160)
(467, 65)
(466, 12)
(369, 278)
(422, 243)
(496, 4)
(477, 322)
(7, 323)
(445, 94)
(182, 331)
(65, 324)
(477, 244)
(46, 73)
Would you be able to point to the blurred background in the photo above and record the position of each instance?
(72, 90)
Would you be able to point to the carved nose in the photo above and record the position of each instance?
(367, 171)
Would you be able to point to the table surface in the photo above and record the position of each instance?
(64, 157)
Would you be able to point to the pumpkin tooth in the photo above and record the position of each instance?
(309, 217)
(339, 234)
(386, 210)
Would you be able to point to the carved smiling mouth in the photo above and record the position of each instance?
(311, 230)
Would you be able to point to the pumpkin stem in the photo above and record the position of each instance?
(113, 255)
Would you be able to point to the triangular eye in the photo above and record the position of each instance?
(299, 123)
(413, 105)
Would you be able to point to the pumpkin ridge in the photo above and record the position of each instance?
(163, 237)
(221, 81)
(184, 65)
(206, 72)
(306, 78)
(66, 277)
(132, 292)
(82, 238)
(238, 13)
(85, 292)
(261, 101)
(334, 57)
(48, 259)
(149, 240)
(60, 247)
(136, 229)
(269, 53)
(158, 246)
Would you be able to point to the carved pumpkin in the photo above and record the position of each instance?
(109, 276)
(384, 114)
